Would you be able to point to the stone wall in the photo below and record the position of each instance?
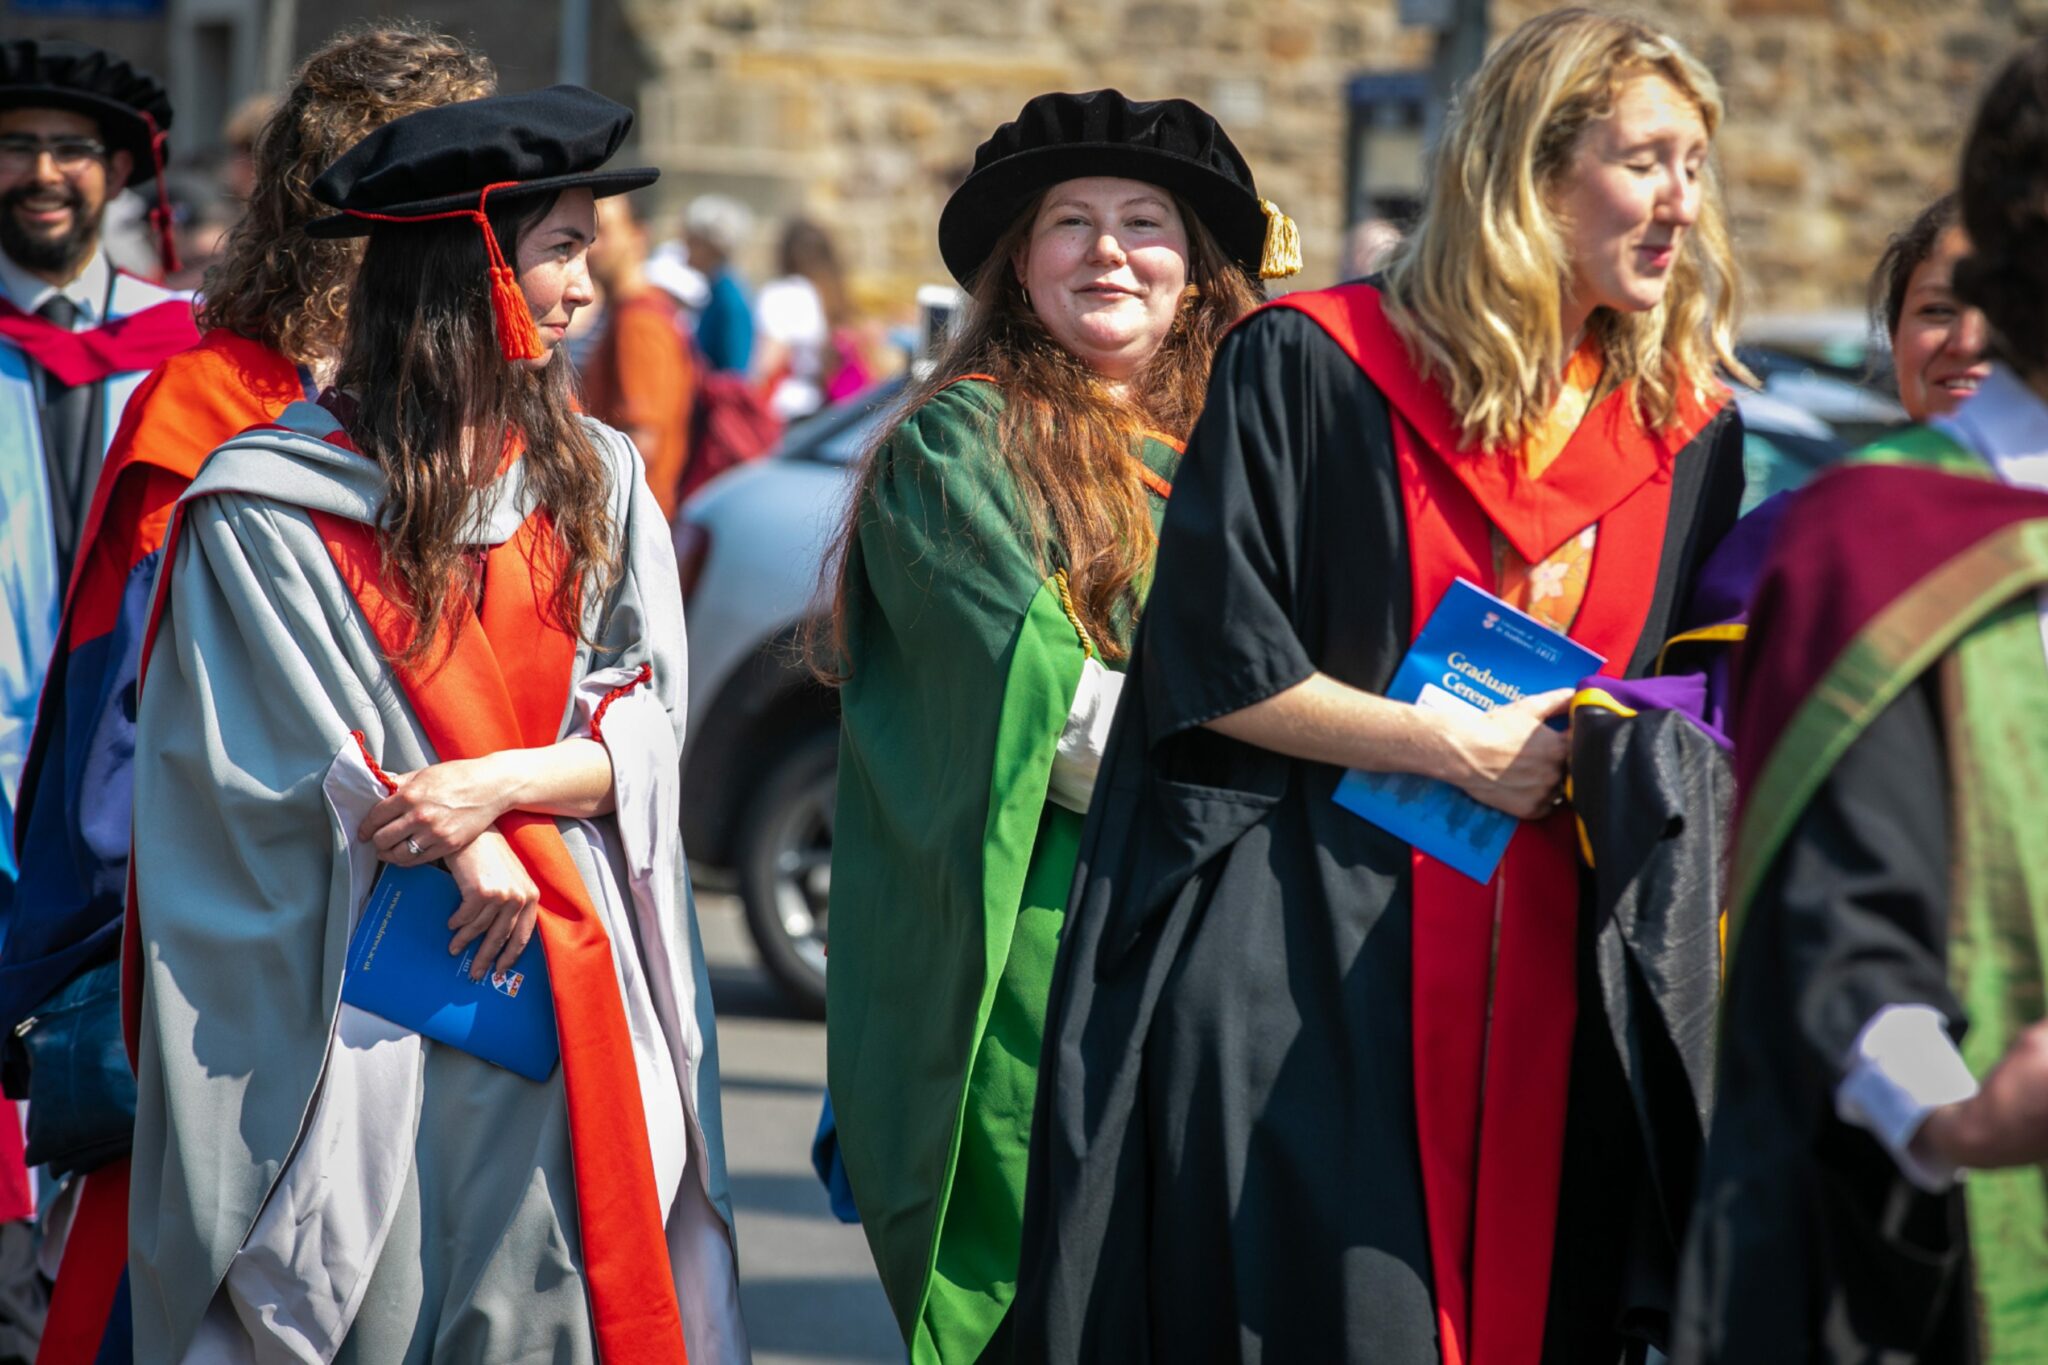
(1845, 115)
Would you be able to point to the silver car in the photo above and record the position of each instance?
(763, 743)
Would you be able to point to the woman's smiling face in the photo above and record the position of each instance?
(1629, 195)
(1938, 347)
(1105, 266)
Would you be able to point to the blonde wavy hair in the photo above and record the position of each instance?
(1477, 290)
(273, 283)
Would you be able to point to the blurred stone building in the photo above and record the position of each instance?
(1845, 115)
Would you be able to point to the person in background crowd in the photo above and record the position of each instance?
(990, 576)
(240, 173)
(1307, 1092)
(803, 326)
(714, 226)
(474, 599)
(201, 217)
(1371, 244)
(668, 269)
(1937, 341)
(76, 125)
(1876, 1182)
(638, 374)
(273, 316)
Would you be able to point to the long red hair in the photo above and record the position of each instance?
(1066, 441)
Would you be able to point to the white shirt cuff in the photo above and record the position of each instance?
(1902, 1067)
(1079, 755)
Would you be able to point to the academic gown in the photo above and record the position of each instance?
(1808, 1242)
(143, 324)
(74, 809)
(950, 864)
(1225, 1158)
(1857, 1257)
(305, 1173)
(76, 805)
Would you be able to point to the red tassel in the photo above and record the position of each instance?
(161, 217)
(518, 338)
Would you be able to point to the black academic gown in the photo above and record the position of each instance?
(1223, 1162)
(1809, 1244)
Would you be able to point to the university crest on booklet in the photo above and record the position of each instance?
(1475, 653)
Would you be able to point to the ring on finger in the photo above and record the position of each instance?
(412, 846)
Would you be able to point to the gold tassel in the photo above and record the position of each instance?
(1282, 255)
(1066, 596)
(518, 338)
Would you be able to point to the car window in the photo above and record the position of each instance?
(847, 444)
(839, 435)
(1780, 461)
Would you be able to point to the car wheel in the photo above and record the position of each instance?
(784, 859)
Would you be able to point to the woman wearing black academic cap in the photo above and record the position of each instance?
(433, 618)
(1310, 1094)
(988, 582)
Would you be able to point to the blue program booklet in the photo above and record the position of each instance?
(1475, 653)
(399, 969)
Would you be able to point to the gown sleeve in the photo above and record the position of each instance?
(1861, 888)
(1219, 626)
(245, 876)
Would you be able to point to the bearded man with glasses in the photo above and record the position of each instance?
(77, 126)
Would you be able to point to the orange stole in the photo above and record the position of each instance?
(192, 402)
(506, 686)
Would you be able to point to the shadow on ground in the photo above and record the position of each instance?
(822, 1319)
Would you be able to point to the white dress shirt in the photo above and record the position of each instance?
(88, 290)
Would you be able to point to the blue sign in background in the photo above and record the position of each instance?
(89, 9)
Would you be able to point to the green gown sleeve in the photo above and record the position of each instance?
(962, 669)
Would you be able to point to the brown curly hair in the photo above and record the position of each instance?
(273, 283)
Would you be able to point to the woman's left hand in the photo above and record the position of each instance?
(437, 810)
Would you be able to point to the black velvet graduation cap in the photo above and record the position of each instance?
(451, 160)
(129, 104)
(1174, 144)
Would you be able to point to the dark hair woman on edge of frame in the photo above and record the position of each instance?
(1937, 341)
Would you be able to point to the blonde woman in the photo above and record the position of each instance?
(1304, 1090)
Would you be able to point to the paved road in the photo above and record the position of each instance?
(807, 1283)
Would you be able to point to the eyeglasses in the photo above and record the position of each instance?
(20, 151)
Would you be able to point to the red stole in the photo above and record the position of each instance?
(1490, 1169)
(121, 345)
(506, 686)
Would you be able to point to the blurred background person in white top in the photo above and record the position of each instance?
(804, 345)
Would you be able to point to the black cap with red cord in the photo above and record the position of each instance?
(129, 104)
(454, 160)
